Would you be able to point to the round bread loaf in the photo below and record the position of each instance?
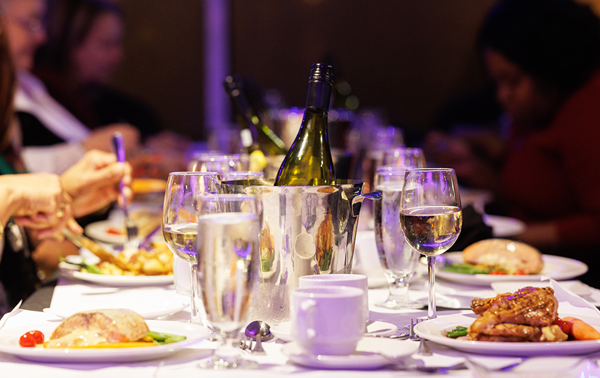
(509, 255)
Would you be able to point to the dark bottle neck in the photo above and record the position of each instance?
(319, 94)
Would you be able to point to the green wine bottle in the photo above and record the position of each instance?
(249, 118)
(309, 161)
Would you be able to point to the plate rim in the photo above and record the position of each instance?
(507, 348)
(166, 279)
(147, 315)
(485, 279)
(347, 362)
(102, 236)
(195, 334)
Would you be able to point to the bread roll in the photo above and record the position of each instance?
(509, 255)
(98, 327)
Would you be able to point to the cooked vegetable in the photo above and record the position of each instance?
(31, 339)
(457, 332)
(165, 338)
(90, 268)
(467, 269)
(581, 330)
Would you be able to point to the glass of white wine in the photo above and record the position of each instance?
(431, 217)
(398, 259)
(228, 268)
(180, 220)
(215, 162)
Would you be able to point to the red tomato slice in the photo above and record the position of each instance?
(564, 325)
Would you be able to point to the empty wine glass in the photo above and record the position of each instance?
(214, 162)
(241, 175)
(404, 157)
(431, 217)
(180, 220)
(398, 259)
(228, 264)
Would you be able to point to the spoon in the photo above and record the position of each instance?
(259, 331)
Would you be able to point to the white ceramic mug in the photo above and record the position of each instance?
(325, 320)
(351, 280)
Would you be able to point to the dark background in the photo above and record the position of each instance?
(405, 57)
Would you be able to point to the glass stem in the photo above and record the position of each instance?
(195, 318)
(399, 290)
(431, 313)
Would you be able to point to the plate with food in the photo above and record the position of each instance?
(132, 267)
(523, 323)
(495, 260)
(112, 335)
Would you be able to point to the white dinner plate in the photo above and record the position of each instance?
(100, 231)
(283, 330)
(577, 287)
(435, 329)
(105, 279)
(556, 267)
(370, 353)
(9, 343)
(503, 227)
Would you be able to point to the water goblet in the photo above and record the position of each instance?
(404, 157)
(398, 259)
(180, 220)
(241, 175)
(212, 162)
(431, 217)
(228, 264)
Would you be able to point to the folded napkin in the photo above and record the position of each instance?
(571, 303)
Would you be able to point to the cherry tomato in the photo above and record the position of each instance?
(114, 231)
(497, 272)
(31, 339)
(518, 272)
(564, 325)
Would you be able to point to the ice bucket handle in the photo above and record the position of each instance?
(357, 201)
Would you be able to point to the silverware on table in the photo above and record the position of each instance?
(130, 226)
(10, 314)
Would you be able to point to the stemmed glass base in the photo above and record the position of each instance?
(227, 356)
(398, 297)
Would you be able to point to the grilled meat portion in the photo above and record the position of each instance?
(515, 317)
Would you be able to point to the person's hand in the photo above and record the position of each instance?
(39, 203)
(93, 182)
(101, 138)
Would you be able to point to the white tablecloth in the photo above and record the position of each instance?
(184, 363)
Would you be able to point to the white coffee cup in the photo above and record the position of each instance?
(181, 276)
(351, 280)
(325, 320)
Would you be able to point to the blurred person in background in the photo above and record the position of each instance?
(86, 187)
(82, 50)
(53, 138)
(544, 57)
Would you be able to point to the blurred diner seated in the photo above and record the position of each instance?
(53, 138)
(544, 58)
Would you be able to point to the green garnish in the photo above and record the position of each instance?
(457, 332)
(90, 268)
(165, 338)
(467, 269)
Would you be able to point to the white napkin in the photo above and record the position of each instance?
(570, 303)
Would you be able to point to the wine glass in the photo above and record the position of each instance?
(228, 263)
(241, 175)
(180, 220)
(404, 157)
(212, 162)
(398, 259)
(431, 216)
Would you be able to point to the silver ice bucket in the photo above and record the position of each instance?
(305, 230)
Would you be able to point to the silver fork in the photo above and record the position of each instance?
(130, 226)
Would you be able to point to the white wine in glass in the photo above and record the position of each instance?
(180, 220)
(431, 217)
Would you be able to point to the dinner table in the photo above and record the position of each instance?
(68, 294)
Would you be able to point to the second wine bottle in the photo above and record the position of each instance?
(309, 162)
